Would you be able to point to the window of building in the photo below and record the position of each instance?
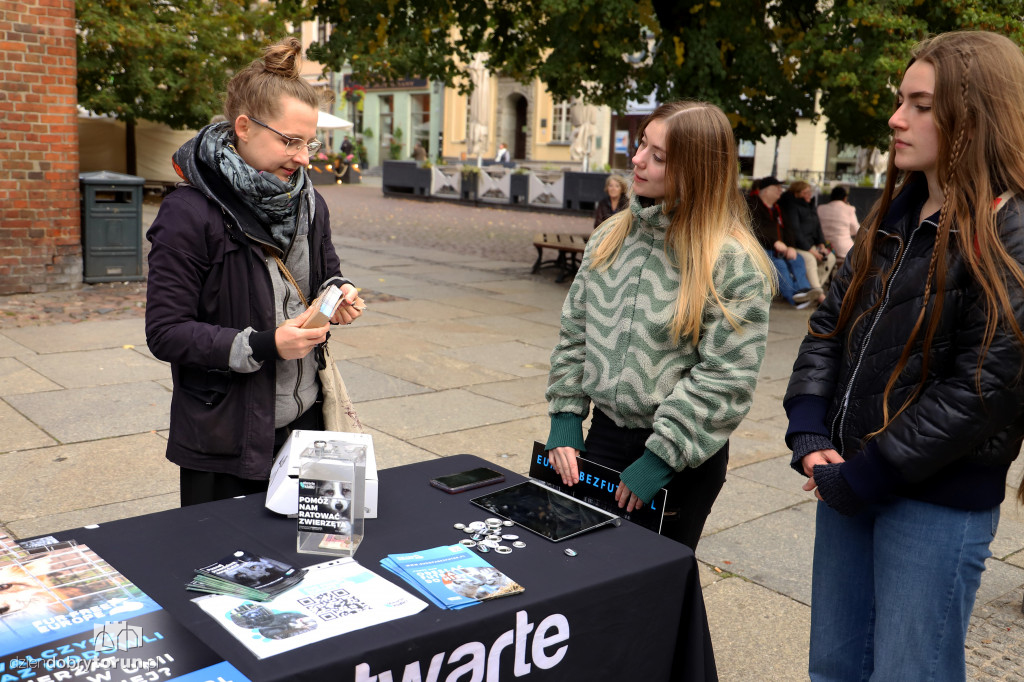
(420, 110)
(561, 123)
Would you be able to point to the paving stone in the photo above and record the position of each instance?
(541, 335)
(80, 414)
(392, 452)
(774, 551)
(755, 441)
(757, 634)
(742, 500)
(433, 370)
(88, 335)
(521, 392)
(444, 273)
(365, 384)
(450, 333)
(381, 341)
(490, 306)
(422, 310)
(999, 579)
(45, 525)
(78, 369)
(16, 377)
(10, 348)
(61, 479)
(428, 414)
(19, 433)
(518, 359)
(509, 445)
(775, 472)
(779, 356)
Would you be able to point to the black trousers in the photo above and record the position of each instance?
(690, 493)
(206, 486)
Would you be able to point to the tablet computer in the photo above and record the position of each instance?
(545, 511)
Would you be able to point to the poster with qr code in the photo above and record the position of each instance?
(335, 597)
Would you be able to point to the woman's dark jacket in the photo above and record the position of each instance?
(801, 220)
(209, 280)
(604, 209)
(951, 446)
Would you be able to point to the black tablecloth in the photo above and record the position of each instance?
(627, 595)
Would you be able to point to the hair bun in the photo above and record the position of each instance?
(284, 58)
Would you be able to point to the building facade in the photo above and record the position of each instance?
(40, 234)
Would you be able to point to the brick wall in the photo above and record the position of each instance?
(40, 243)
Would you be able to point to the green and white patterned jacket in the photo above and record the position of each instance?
(616, 350)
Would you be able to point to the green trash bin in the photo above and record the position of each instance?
(111, 227)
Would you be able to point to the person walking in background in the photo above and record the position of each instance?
(767, 224)
(906, 403)
(801, 221)
(615, 199)
(839, 222)
(236, 252)
(664, 327)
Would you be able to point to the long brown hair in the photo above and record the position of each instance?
(977, 105)
(703, 199)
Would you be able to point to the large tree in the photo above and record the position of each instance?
(858, 50)
(166, 60)
(761, 61)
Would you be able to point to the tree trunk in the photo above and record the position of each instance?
(129, 147)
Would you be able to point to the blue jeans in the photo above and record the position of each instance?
(792, 275)
(893, 589)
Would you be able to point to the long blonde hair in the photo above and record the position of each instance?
(977, 105)
(703, 199)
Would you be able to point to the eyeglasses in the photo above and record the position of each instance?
(292, 144)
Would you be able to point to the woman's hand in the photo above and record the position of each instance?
(563, 460)
(627, 499)
(813, 459)
(293, 342)
(351, 306)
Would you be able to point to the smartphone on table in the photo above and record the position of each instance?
(467, 480)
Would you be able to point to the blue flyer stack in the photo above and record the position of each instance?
(451, 576)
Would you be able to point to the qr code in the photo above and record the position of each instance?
(334, 604)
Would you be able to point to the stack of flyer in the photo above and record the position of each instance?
(452, 576)
(246, 575)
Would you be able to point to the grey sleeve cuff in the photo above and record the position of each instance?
(241, 359)
(806, 443)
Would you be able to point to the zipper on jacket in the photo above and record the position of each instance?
(841, 416)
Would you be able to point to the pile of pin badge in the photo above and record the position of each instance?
(487, 536)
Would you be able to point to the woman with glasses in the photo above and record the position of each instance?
(237, 251)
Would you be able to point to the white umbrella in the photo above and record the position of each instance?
(332, 122)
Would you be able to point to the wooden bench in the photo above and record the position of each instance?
(567, 246)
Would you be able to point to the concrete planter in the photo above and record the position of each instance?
(405, 177)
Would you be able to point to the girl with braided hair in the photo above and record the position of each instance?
(906, 403)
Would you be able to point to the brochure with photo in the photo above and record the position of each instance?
(451, 576)
(65, 614)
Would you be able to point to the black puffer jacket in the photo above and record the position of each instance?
(951, 446)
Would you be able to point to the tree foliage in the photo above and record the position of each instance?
(762, 61)
(166, 60)
(857, 52)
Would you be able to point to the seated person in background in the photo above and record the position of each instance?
(801, 220)
(767, 224)
(839, 222)
(615, 199)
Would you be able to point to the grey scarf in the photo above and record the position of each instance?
(275, 203)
